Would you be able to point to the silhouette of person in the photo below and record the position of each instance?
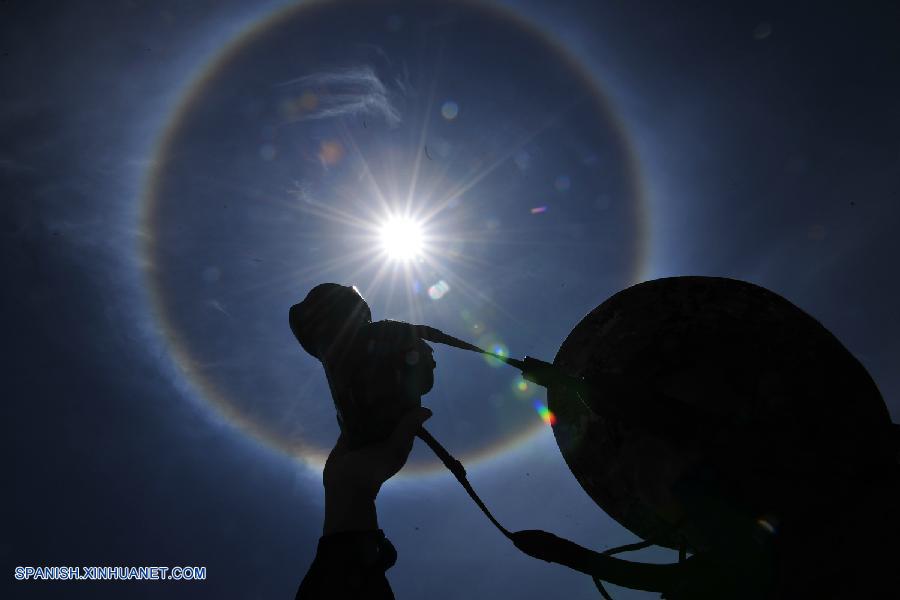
(377, 373)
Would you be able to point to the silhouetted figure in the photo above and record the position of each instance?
(377, 373)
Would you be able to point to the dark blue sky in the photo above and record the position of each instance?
(152, 384)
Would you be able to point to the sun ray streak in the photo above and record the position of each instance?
(477, 177)
(312, 271)
(474, 292)
(420, 146)
(331, 213)
(366, 169)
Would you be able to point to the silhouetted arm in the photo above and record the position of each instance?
(350, 564)
(353, 552)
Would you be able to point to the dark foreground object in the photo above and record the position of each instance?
(722, 420)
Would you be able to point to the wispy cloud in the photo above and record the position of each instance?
(347, 92)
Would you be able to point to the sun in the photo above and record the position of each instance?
(402, 239)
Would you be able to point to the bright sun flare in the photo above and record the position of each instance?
(401, 238)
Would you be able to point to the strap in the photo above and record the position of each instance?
(546, 546)
(456, 467)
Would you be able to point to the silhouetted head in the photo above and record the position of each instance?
(328, 317)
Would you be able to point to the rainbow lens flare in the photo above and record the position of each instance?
(546, 415)
(449, 110)
(521, 388)
(490, 343)
(438, 290)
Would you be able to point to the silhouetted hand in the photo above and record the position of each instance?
(353, 477)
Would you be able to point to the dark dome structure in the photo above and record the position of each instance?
(722, 419)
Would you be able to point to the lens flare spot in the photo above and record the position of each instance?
(538, 210)
(308, 101)
(492, 344)
(562, 183)
(546, 415)
(330, 153)
(297, 107)
(438, 290)
(522, 388)
(402, 239)
(449, 110)
(268, 152)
